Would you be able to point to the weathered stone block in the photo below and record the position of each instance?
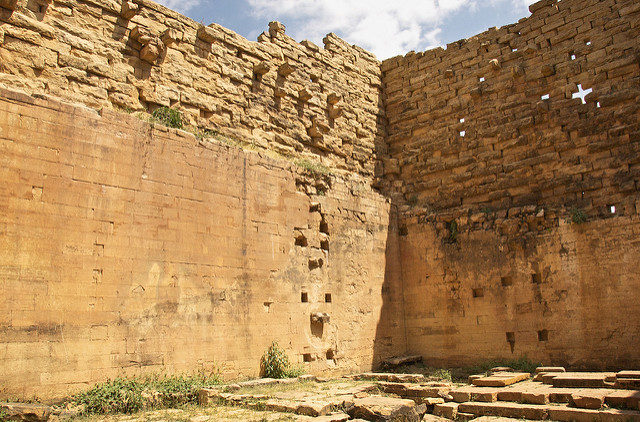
(129, 9)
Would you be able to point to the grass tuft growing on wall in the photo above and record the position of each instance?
(168, 116)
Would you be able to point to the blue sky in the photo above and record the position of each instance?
(384, 27)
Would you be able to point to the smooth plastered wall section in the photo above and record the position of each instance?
(130, 248)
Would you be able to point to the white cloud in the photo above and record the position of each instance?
(179, 5)
(385, 27)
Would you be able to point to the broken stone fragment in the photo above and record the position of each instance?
(9, 4)
(170, 36)
(335, 112)
(279, 92)
(285, 70)
(129, 10)
(517, 70)
(261, 68)
(276, 28)
(333, 98)
(150, 52)
(320, 317)
(311, 46)
(141, 34)
(25, 411)
(304, 95)
(548, 70)
(207, 34)
(530, 49)
(448, 73)
(543, 105)
(495, 64)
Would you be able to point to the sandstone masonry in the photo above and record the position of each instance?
(461, 204)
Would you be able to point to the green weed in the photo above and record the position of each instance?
(313, 167)
(578, 216)
(275, 364)
(168, 116)
(129, 395)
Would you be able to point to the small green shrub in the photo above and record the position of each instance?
(4, 416)
(168, 116)
(275, 364)
(129, 395)
(452, 229)
(443, 374)
(578, 216)
(313, 167)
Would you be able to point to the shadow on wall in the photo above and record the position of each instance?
(390, 338)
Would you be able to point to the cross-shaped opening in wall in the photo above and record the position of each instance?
(582, 93)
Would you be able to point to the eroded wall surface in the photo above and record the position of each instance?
(127, 247)
(520, 225)
(278, 94)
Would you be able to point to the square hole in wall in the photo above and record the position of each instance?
(307, 357)
(543, 335)
(304, 297)
(403, 231)
(612, 209)
(327, 297)
(462, 120)
(545, 97)
(506, 281)
(478, 292)
(598, 104)
(511, 337)
(463, 133)
(481, 79)
(330, 354)
(573, 57)
(536, 278)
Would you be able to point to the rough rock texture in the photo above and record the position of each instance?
(510, 243)
(506, 224)
(140, 55)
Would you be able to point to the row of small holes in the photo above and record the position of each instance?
(304, 297)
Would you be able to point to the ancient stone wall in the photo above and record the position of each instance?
(129, 247)
(520, 221)
(298, 99)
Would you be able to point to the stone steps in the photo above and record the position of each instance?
(535, 412)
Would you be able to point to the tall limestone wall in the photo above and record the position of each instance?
(519, 233)
(127, 247)
(295, 98)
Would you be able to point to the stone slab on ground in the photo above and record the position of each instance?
(567, 414)
(334, 417)
(628, 399)
(501, 379)
(580, 379)
(628, 383)
(446, 410)
(628, 374)
(540, 369)
(380, 408)
(381, 376)
(413, 390)
(506, 409)
(588, 400)
(25, 411)
(401, 360)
